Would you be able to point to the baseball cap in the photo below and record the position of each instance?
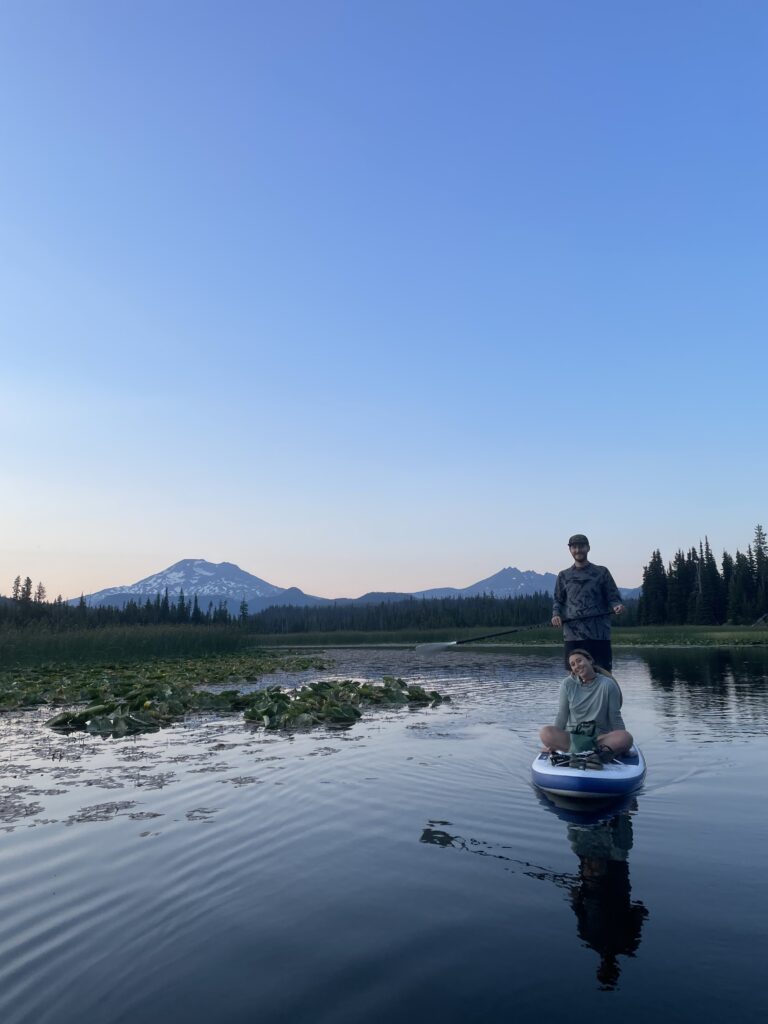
(578, 538)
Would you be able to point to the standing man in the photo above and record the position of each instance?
(585, 597)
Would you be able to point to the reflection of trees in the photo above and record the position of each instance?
(723, 685)
(608, 921)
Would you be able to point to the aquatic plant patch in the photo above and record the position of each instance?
(127, 698)
(333, 703)
(122, 700)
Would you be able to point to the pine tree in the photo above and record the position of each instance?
(40, 594)
(653, 600)
(727, 572)
(752, 561)
(220, 614)
(16, 593)
(693, 574)
(741, 596)
(760, 546)
(677, 590)
(710, 605)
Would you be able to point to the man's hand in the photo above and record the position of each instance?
(557, 621)
(618, 609)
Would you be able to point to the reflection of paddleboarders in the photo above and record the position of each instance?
(608, 921)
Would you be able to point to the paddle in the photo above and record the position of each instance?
(431, 648)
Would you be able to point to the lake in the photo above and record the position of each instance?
(404, 868)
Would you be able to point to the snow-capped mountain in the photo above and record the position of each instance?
(193, 576)
(210, 581)
(223, 581)
(509, 582)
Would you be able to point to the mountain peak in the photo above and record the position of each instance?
(216, 581)
(224, 581)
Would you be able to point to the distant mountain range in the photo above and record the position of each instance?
(231, 584)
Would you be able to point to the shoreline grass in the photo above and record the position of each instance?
(634, 636)
(26, 648)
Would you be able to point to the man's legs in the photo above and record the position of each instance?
(599, 649)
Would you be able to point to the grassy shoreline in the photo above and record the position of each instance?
(20, 648)
(641, 636)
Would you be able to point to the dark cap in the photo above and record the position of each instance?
(578, 538)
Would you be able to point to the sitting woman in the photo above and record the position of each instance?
(589, 716)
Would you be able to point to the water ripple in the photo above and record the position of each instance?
(409, 856)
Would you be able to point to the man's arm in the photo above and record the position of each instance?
(558, 603)
(612, 593)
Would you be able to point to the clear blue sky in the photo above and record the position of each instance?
(379, 295)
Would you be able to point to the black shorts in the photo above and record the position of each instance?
(599, 649)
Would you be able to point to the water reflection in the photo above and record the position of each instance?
(724, 688)
(439, 837)
(608, 920)
(707, 666)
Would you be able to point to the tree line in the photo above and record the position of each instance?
(694, 589)
(412, 613)
(28, 605)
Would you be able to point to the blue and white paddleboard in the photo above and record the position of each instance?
(619, 777)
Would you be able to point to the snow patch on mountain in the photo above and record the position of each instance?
(222, 581)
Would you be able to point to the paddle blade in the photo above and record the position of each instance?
(434, 648)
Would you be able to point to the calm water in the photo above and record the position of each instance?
(403, 869)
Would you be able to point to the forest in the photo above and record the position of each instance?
(693, 589)
(29, 608)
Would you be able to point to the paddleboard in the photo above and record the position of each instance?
(619, 777)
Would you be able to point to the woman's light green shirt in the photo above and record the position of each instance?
(597, 701)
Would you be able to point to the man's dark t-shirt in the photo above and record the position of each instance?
(588, 595)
